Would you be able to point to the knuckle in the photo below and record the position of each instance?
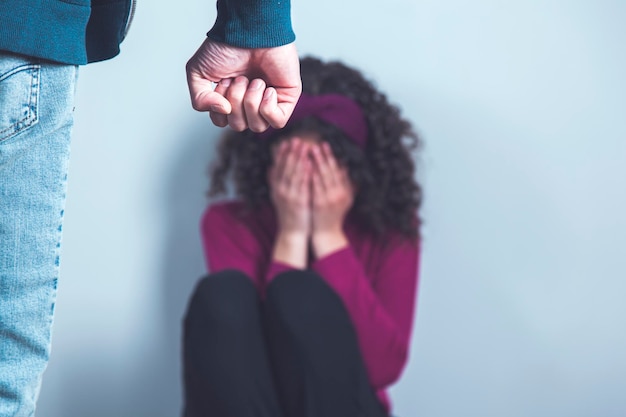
(250, 103)
(195, 104)
(235, 96)
(258, 128)
(278, 124)
(189, 65)
(237, 126)
(218, 119)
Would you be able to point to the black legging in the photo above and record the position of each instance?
(293, 355)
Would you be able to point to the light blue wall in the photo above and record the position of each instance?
(522, 106)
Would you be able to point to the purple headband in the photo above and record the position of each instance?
(340, 111)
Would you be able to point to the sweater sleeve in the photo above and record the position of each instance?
(382, 313)
(253, 23)
(228, 243)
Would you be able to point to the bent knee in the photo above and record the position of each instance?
(227, 296)
(303, 296)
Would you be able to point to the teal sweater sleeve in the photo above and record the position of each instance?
(49, 29)
(253, 23)
(66, 31)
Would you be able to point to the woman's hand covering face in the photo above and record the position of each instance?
(311, 192)
(289, 179)
(332, 193)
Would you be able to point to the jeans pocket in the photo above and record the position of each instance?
(19, 96)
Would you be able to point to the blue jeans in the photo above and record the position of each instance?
(36, 117)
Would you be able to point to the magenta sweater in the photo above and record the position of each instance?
(376, 279)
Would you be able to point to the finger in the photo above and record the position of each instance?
(304, 187)
(252, 102)
(280, 159)
(275, 148)
(346, 183)
(323, 169)
(203, 96)
(299, 167)
(236, 91)
(292, 158)
(276, 107)
(317, 188)
(331, 161)
(344, 178)
(220, 119)
(280, 67)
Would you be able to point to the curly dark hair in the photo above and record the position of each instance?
(388, 197)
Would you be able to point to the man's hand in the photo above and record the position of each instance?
(269, 99)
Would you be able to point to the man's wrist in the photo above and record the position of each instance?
(253, 23)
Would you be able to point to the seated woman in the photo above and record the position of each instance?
(308, 308)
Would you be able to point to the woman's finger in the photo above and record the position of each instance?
(324, 172)
(331, 162)
(299, 167)
(291, 162)
(318, 193)
(345, 181)
(280, 157)
(304, 181)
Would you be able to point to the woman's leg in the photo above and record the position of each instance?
(314, 351)
(226, 369)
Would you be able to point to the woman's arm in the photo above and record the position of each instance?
(291, 250)
(228, 243)
(382, 312)
(289, 183)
